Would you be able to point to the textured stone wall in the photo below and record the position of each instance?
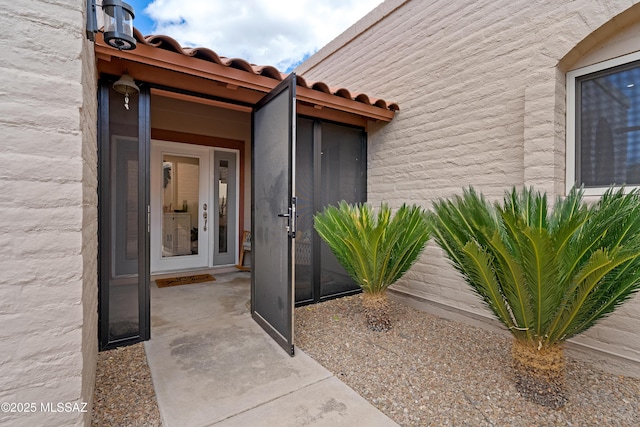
(48, 222)
(88, 127)
(481, 89)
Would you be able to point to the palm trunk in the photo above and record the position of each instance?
(539, 374)
(376, 311)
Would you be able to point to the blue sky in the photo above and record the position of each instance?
(142, 21)
(265, 32)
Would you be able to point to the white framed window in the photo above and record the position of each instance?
(603, 125)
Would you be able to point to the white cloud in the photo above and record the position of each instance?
(264, 32)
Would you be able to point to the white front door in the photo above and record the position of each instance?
(194, 206)
(180, 206)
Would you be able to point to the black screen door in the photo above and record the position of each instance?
(123, 200)
(273, 213)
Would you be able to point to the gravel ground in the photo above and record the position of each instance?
(426, 371)
(124, 394)
(431, 371)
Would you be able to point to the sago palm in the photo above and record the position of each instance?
(547, 275)
(376, 250)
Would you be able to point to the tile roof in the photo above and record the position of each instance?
(167, 43)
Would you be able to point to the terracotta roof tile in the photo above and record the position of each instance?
(167, 43)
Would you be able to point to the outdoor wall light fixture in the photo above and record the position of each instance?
(126, 86)
(118, 23)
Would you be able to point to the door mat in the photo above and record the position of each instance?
(184, 280)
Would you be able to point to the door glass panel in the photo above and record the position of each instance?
(125, 198)
(182, 210)
(225, 207)
(123, 291)
(223, 199)
(180, 205)
(304, 193)
(342, 178)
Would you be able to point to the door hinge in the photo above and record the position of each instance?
(148, 219)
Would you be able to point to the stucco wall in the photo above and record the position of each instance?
(48, 226)
(481, 88)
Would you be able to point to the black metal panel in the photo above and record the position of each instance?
(272, 213)
(341, 179)
(104, 241)
(305, 196)
(317, 174)
(144, 216)
(337, 174)
(123, 199)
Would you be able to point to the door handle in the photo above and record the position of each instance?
(288, 216)
(291, 218)
(205, 216)
(293, 221)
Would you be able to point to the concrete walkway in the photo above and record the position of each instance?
(212, 365)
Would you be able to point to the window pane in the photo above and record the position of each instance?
(180, 204)
(608, 127)
(223, 197)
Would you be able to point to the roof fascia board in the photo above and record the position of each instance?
(176, 62)
(171, 79)
(336, 102)
(180, 63)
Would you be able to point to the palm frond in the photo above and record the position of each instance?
(511, 277)
(585, 291)
(478, 268)
(541, 277)
(613, 291)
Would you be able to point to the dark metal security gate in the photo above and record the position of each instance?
(273, 213)
(123, 201)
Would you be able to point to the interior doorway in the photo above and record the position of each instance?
(194, 207)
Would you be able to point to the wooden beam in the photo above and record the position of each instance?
(200, 100)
